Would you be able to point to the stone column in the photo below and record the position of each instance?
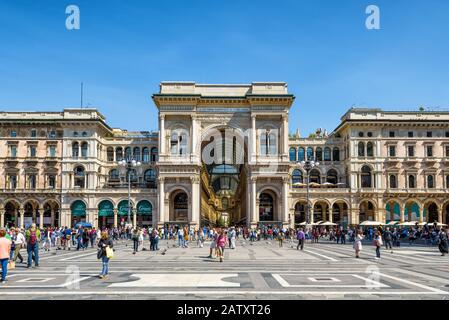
(331, 213)
(253, 143)
(135, 218)
(115, 218)
(2, 218)
(285, 206)
(285, 136)
(254, 211)
(161, 214)
(193, 151)
(21, 214)
(440, 214)
(401, 212)
(195, 218)
(421, 213)
(162, 134)
(312, 218)
(248, 202)
(41, 217)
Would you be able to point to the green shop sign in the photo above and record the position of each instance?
(105, 209)
(144, 208)
(123, 208)
(78, 209)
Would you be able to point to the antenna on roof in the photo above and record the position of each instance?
(82, 85)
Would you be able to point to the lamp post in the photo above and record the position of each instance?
(307, 166)
(128, 165)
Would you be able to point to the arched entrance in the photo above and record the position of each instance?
(340, 213)
(179, 207)
(30, 213)
(411, 211)
(266, 207)
(144, 213)
(431, 212)
(11, 214)
(367, 211)
(446, 213)
(393, 211)
(300, 212)
(320, 211)
(122, 212)
(105, 214)
(78, 212)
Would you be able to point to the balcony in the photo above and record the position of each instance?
(31, 161)
(411, 160)
(12, 161)
(51, 161)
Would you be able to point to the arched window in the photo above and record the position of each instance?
(127, 153)
(114, 174)
(296, 178)
(393, 182)
(266, 206)
(361, 149)
(327, 154)
(315, 176)
(145, 155)
(272, 143)
(110, 154)
(411, 182)
(332, 176)
(150, 178)
(430, 182)
(80, 177)
(118, 154)
(75, 150)
(309, 153)
(136, 153)
(178, 143)
(336, 154)
(292, 153)
(319, 154)
(133, 175)
(301, 154)
(154, 154)
(447, 184)
(181, 206)
(84, 148)
(366, 177)
(268, 143)
(370, 149)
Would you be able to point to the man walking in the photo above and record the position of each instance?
(300, 236)
(388, 237)
(32, 235)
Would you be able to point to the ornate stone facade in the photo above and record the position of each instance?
(223, 155)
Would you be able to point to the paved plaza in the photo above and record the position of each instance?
(260, 270)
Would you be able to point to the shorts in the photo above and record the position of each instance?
(213, 245)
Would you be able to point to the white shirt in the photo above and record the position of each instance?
(20, 239)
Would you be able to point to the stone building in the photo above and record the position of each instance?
(223, 155)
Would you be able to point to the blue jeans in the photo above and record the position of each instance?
(4, 263)
(377, 251)
(180, 241)
(105, 261)
(33, 249)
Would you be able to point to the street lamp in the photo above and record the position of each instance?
(128, 165)
(307, 166)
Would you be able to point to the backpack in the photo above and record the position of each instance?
(33, 238)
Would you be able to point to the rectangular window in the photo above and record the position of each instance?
(33, 133)
(410, 134)
(32, 181)
(13, 151)
(429, 151)
(411, 151)
(52, 151)
(392, 151)
(391, 134)
(13, 133)
(32, 151)
(447, 134)
(429, 134)
(12, 182)
(52, 182)
(447, 151)
(52, 134)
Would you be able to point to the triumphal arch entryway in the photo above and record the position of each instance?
(223, 154)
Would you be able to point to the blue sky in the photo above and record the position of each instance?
(320, 48)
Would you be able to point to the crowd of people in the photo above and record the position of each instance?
(13, 240)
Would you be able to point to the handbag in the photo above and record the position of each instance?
(99, 254)
(11, 265)
(109, 253)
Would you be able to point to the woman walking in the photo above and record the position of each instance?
(443, 242)
(280, 239)
(135, 237)
(358, 243)
(104, 243)
(221, 244)
(5, 253)
(378, 243)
